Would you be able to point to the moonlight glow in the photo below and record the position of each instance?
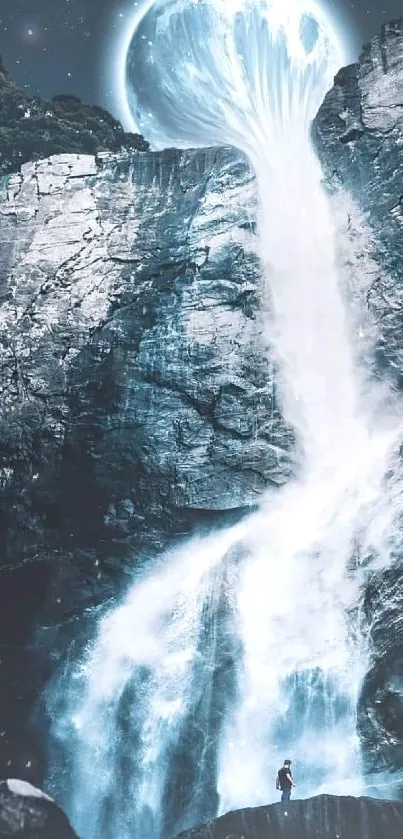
(190, 72)
(121, 60)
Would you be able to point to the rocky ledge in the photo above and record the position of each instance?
(27, 813)
(324, 817)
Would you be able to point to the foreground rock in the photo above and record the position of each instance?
(359, 136)
(324, 817)
(27, 813)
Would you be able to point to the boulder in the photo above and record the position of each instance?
(27, 813)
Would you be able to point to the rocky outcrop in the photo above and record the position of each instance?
(359, 136)
(27, 813)
(133, 378)
(31, 129)
(381, 703)
(137, 397)
(324, 817)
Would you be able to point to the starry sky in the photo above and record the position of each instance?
(68, 46)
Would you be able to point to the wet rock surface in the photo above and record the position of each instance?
(27, 813)
(324, 817)
(359, 136)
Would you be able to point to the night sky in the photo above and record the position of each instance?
(69, 46)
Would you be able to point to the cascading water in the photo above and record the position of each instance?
(244, 648)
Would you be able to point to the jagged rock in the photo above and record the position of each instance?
(137, 397)
(31, 129)
(381, 702)
(133, 370)
(324, 817)
(359, 137)
(27, 813)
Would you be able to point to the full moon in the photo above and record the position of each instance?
(207, 72)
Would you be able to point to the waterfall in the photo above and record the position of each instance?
(300, 675)
(244, 648)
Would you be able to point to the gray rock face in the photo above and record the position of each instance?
(27, 813)
(324, 817)
(381, 704)
(140, 278)
(359, 136)
(138, 398)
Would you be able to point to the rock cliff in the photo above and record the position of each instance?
(358, 133)
(359, 137)
(137, 397)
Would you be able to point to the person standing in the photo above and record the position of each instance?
(285, 781)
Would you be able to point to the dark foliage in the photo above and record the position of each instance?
(31, 129)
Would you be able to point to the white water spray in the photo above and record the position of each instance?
(241, 649)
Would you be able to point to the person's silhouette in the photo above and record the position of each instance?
(285, 781)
